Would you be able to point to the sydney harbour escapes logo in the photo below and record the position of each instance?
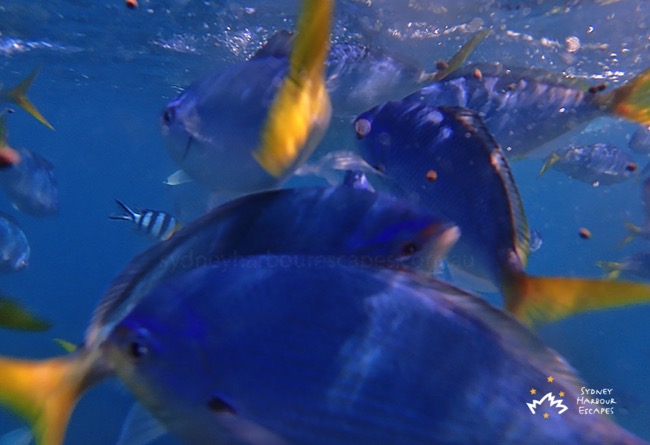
(590, 401)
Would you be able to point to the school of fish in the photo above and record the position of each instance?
(311, 315)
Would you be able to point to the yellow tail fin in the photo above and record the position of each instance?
(552, 159)
(301, 110)
(545, 299)
(45, 392)
(631, 100)
(15, 316)
(18, 95)
(458, 59)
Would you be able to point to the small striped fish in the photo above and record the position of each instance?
(158, 224)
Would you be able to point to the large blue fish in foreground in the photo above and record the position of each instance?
(325, 226)
(342, 355)
(524, 108)
(31, 185)
(247, 128)
(444, 158)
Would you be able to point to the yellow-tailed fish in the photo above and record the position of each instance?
(18, 95)
(324, 225)
(527, 108)
(595, 164)
(247, 127)
(473, 187)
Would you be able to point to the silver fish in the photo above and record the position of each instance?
(31, 185)
(596, 164)
(14, 247)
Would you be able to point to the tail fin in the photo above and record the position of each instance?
(545, 299)
(552, 159)
(45, 392)
(301, 110)
(631, 100)
(633, 230)
(458, 59)
(129, 216)
(18, 95)
(612, 269)
(14, 316)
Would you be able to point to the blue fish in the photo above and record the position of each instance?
(31, 185)
(158, 224)
(248, 127)
(14, 247)
(326, 226)
(342, 355)
(358, 77)
(444, 158)
(596, 164)
(524, 108)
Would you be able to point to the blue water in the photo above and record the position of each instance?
(106, 73)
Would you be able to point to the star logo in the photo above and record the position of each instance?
(533, 391)
(549, 379)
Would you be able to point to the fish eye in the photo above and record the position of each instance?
(138, 346)
(362, 127)
(168, 115)
(138, 350)
(408, 248)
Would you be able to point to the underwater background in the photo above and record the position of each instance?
(106, 72)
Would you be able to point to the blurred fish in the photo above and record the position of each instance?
(327, 226)
(596, 164)
(474, 188)
(635, 266)
(158, 224)
(227, 356)
(8, 155)
(30, 184)
(14, 316)
(640, 140)
(14, 247)
(359, 77)
(248, 127)
(18, 95)
(525, 108)
(643, 230)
